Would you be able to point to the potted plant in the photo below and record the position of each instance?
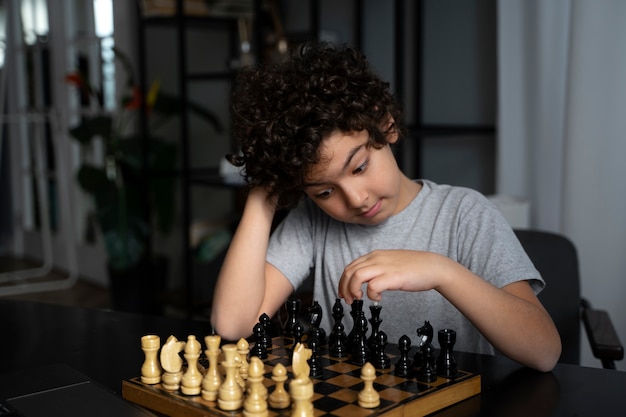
(123, 194)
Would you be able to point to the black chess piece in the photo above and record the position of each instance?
(380, 360)
(337, 310)
(337, 340)
(316, 369)
(293, 311)
(298, 332)
(375, 321)
(424, 337)
(356, 308)
(446, 363)
(427, 372)
(259, 346)
(315, 315)
(265, 321)
(403, 365)
(360, 350)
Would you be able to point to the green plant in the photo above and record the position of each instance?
(120, 189)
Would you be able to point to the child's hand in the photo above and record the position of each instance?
(385, 270)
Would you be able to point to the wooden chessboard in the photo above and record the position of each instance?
(335, 391)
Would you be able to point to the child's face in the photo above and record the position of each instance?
(356, 183)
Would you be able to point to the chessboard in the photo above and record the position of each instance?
(335, 391)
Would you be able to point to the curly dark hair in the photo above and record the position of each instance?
(282, 112)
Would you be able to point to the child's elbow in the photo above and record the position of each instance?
(549, 356)
(227, 328)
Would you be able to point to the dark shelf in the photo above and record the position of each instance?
(189, 20)
(446, 130)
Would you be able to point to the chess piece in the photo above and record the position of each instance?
(150, 369)
(337, 311)
(265, 322)
(403, 365)
(279, 398)
(315, 315)
(293, 310)
(299, 361)
(427, 371)
(338, 348)
(446, 363)
(255, 404)
(191, 383)
(212, 379)
(259, 349)
(316, 369)
(338, 338)
(375, 321)
(172, 363)
(356, 308)
(243, 348)
(360, 351)
(302, 394)
(230, 394)
(298, 331)
(424, 338)
(368, 397)
(379, 356)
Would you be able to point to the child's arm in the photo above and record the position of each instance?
(247, 285)
(511, 318)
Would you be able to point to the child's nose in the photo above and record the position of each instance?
(356, 197)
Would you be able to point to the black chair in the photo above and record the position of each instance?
(555, 257)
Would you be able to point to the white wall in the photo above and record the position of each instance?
(561, 125)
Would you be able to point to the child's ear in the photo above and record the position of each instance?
(392, 130)
(392, 136)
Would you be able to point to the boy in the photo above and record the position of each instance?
(320, 125)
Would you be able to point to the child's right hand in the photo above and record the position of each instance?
(389, 270)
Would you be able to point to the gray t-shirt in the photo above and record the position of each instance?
(457, 222)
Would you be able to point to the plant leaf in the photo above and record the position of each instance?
(90, 127)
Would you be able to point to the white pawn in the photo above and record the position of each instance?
(230, 394)
(279, 398)
(368, 397)
(255, 404)
(191, 384)
(243, 348)
(212, 379)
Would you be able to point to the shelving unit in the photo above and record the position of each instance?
(408, 38)
(192, 177)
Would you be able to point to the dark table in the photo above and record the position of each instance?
(105, 346)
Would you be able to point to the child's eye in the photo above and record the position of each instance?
(361, 167)
(324, 194)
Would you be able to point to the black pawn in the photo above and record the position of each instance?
(403, 366)
(316, 369)
(427, 371)
(298, 332)
(446, 363)
(259, 346)
(293, 311)
(380, 360)
(338, 348)
(265, 321)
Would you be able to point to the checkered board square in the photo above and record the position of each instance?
(336, 390)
